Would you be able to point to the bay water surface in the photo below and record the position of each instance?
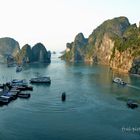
(95, 108)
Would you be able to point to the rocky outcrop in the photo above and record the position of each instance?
(26, 52)
(78, 47)
(8, 48)
(75, 50)
(37, 53)
(11, 53)
(40, 53)
(126, 51)
(115, 43)
(135, 68)
(25, 55)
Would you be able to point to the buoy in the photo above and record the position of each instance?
(63, 97)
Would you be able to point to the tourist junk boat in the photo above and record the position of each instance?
(18, 68)
(119, 81)
(41, 80)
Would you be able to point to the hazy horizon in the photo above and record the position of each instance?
(54, 23)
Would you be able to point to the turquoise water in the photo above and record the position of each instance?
(95, 108)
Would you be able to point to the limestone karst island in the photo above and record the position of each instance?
(11, 53)
(115, 43)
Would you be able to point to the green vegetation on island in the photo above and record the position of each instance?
(115, 43)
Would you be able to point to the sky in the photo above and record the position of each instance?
(56, 22)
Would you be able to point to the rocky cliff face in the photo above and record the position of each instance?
(135, 68)
(126, 51)
(8, 47)
(75, 50)
(37, 53)
(115, 43)
(25, 54)
(11, 53)
(40, 53)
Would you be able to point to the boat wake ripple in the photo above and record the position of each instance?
(135, 87)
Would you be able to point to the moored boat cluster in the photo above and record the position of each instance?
(12, 90)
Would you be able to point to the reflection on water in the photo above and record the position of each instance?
(95, 107)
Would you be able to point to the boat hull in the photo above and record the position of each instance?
(41, 80)
(31, 81)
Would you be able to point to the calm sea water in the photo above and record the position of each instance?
(95, 108)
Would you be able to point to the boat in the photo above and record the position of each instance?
(119, 81)
(1, 85)
(14, 94)
(18, 69)
(21, 88)
(24, 95)
(11, 95)
(15, 90)
(4, 99)
(132, 104)
(40, 80)
(18, 82)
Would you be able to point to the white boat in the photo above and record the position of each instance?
(18, 68)
(5, 99)
(40, 80)
(119, 81)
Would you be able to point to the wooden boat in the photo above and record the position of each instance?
(40, 80)
(25, 88)
(24, 95)
(19, 82)
(4, 99)
(15, 90)
(12, 95)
